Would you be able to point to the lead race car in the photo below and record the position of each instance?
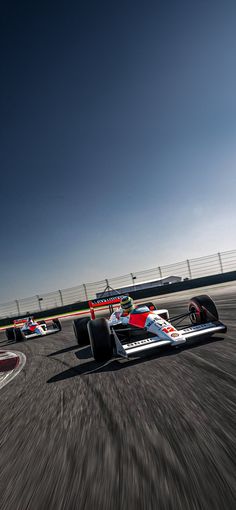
(28, 328)
(145, 327)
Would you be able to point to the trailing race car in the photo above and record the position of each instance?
(28, 328)
(145, 328)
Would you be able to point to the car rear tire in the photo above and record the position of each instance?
(10, 334)
(57, 324)
(202, 309)
(19, 336)
(81, 331)
(100, 339)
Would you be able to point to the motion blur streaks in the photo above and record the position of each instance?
(151, 433)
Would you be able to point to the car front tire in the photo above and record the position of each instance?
(202, 309)
(100, 339)
(57, 324)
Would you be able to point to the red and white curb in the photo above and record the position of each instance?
(11, 363)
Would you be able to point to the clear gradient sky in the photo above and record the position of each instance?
(118, 138)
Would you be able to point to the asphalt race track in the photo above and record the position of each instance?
(153, 433)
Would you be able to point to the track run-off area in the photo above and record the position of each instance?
(151, 433)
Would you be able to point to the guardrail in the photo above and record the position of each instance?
(189, 269)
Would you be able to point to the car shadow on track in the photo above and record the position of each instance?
(6, 343)
(67, 349)
(92, 367)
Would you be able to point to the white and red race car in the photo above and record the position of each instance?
(145, 328)
(29, 328)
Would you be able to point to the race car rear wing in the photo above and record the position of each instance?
(103, 303)
(20, 321)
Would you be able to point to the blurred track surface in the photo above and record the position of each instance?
(152, 433)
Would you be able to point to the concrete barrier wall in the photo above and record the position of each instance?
(188, 284)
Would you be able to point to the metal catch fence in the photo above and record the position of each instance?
(187, 269)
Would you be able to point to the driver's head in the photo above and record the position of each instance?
(127, 304)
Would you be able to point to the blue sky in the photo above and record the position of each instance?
(118, 138)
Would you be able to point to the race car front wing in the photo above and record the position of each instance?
(199, 330)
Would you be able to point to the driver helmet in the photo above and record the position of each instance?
(127, 304)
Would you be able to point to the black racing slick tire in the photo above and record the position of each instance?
(57, 324)
(81, 331)
(19, 336)
(100, 339)
(10, 334)
(202, 309)
(150, 305)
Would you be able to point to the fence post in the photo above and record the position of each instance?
(160, 272)
(133, 278)
(61, 298)
(17, 306)
(189, 269)
(39, 302)
(220, 261)
(85, 292)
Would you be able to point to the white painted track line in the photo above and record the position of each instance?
(11, 363)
